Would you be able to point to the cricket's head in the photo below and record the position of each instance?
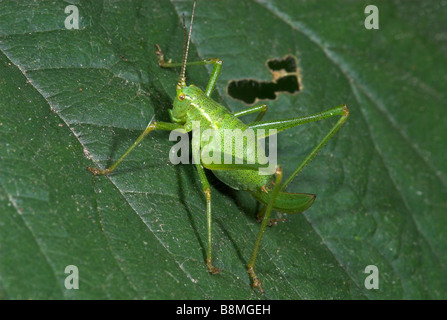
(183, 100)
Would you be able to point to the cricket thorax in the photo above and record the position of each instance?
(192, 104)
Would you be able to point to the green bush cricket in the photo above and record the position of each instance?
(192, 105)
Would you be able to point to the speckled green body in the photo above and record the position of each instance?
(196, 106)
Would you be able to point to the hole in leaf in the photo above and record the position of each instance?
(285, 79)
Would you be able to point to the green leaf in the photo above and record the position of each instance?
(76, 98)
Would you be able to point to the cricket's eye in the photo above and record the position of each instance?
(181, 97)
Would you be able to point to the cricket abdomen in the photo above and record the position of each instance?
(231, 153)
(220, 132)
(247, 180)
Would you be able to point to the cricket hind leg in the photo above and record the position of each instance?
(269, 199)
(341, 111)
(281, 125)
(265, 221)
(272, 222)
(278, 186)
(261, 109)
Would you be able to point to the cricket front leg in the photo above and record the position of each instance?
(153, 125)
(214, 74)
(207, 191)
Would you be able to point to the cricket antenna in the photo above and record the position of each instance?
(182, 78)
